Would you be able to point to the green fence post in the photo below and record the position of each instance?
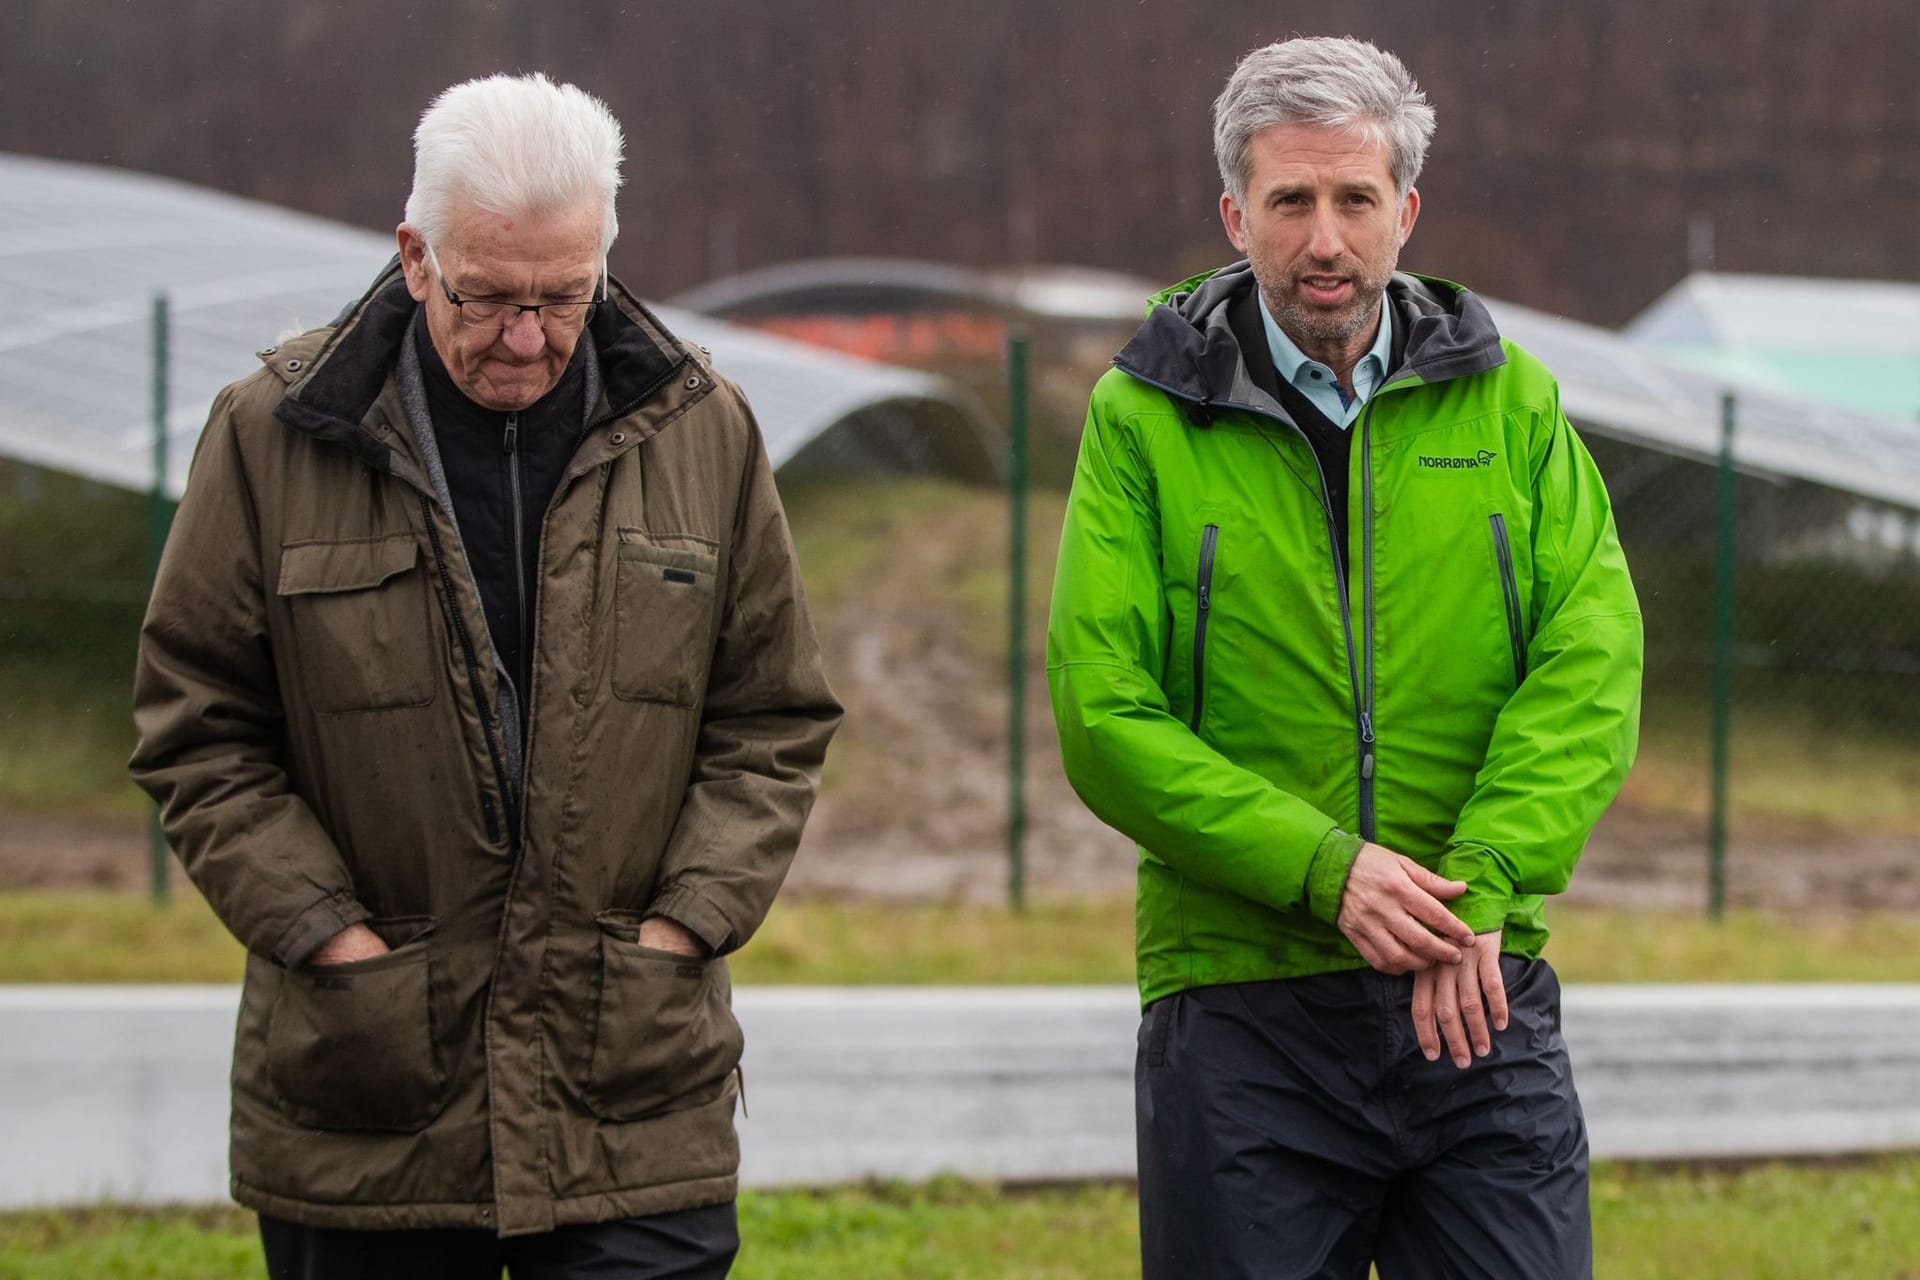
(160, 516)
(1017, 620)
(1725, 531)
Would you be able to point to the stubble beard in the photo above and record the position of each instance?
(1303, 321)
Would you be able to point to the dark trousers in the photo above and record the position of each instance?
(1293, 1129)
(692, 1244)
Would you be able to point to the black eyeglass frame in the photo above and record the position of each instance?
(461, 304)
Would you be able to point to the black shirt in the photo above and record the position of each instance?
(498, 464)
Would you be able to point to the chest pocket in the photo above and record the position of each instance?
(362, 623)
(663, 604)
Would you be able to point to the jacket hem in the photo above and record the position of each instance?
(604, 1206)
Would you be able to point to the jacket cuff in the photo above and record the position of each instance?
(315, 925)
(1327, 873)
(693, 912)
(1483, 907)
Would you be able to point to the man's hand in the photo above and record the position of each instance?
(355, 942)
(662, 934)
(1393, 911)
(1458, 1001)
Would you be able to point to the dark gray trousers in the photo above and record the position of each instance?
(1293, 1129)
(692, 1244)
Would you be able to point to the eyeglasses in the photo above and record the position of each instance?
(553, 316)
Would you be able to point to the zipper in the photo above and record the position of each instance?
(1509, 594)
(1362, 695)
(509, 441)
(1209, 539)
(489, 724)
(1367, 814)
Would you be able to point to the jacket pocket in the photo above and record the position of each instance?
(1202, 613)
(353, 1046)
(664, 1034)
(1509, 595)
(663, 602)
(362, 618)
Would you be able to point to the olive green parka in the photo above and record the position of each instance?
(322, 723)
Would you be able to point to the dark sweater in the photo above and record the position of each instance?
(1332, 444)
(484, 451)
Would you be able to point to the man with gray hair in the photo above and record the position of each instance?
(480, 700)
(1342, 636)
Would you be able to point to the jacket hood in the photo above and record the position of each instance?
(333, 390)
(1188, 348)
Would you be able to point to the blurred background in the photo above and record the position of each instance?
(1699, 213)
(910, 183)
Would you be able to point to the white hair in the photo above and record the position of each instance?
(1339, 82)
(514, 145)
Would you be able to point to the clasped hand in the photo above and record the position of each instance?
(1394, 912)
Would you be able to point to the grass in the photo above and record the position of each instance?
(1785, 764)
(1773, 1222)
(100, 937)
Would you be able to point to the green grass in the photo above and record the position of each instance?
(1773, 1222)
(73, 573)
(102, 937)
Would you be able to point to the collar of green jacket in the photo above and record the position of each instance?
(1187, 347)
(331, 394)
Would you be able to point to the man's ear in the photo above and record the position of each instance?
(1234, 220)
(1409, 213)
(413, 261)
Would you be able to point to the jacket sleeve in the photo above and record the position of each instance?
(765, 724)
(208, 715)
(1562, 744)
(1137, 766)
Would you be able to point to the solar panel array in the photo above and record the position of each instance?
(84, 251)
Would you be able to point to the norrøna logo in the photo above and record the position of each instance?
(1471, 462)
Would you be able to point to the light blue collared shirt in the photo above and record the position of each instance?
(1316, 381)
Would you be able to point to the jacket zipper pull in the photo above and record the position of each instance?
(1366, 736)
(1366, 726)
(512, 433)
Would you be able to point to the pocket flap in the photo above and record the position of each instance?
(681, 566)
(317, 568)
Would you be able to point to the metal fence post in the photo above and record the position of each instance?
(159, 518)
(1017, 620)
(1725, 533)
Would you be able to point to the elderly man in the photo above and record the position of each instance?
(1343, 638)
(480, 700)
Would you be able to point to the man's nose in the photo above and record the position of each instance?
(1325, 242)
(523, 335)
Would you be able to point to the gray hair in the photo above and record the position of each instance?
(514, 145)
(1334, 81)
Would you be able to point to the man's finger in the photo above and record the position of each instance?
(1433, 882)
(1434, 914)
(1473, 1014)
(1446, 1012)
(1493, 985)
(1423, 1031)
(1412, 935)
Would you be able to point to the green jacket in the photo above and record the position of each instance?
(324, 725)
(1460, 683)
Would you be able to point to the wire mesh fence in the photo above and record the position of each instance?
(1822, 650)
(1824, 653)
